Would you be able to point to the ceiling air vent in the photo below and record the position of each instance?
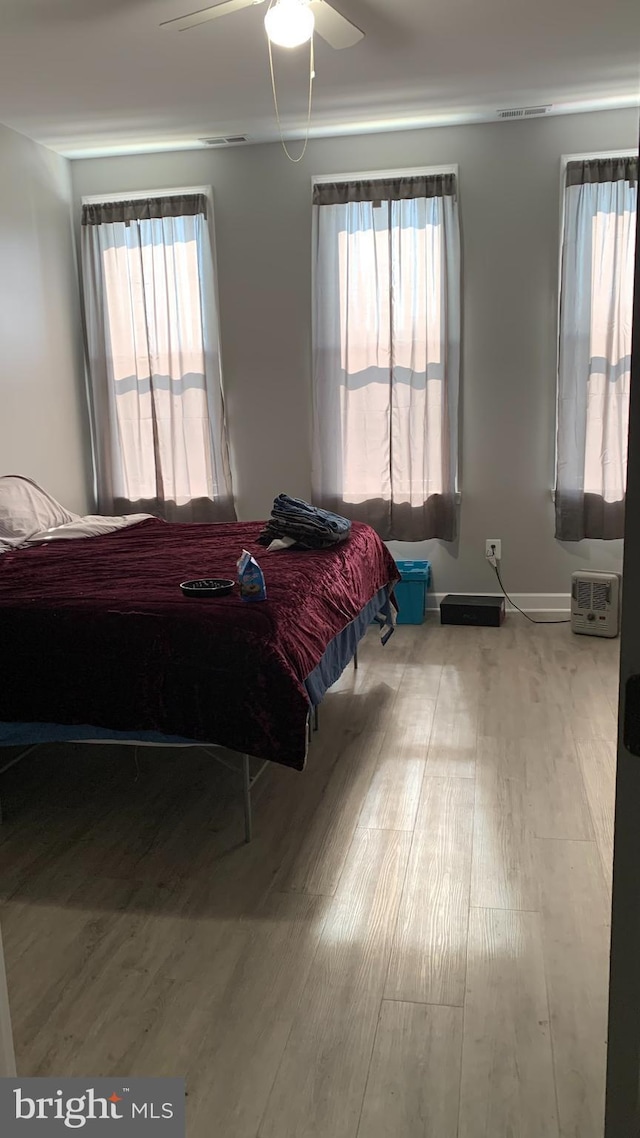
(233, 138)
(522, 112)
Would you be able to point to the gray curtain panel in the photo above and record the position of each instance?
(386, 354)
(595, 347)
(159, 432)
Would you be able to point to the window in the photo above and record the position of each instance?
(159, 431)
(386, 341)
(596, 297)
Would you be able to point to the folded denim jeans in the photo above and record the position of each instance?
(310, 526)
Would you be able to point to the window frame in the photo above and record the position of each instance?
(165, 192)
(372, 176)
(149, 192)
(565, 159)
(142, 195)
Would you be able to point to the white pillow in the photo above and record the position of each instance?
(25, 510)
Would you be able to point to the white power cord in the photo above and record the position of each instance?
(494, 561)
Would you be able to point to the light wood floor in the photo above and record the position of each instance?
(414, 946)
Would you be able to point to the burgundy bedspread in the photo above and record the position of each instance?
(98, 632)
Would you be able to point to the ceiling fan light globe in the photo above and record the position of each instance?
(289, 23)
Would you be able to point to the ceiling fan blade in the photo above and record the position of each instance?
(183, 23)
(334, 27)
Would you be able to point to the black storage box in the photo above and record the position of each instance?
(461, 609)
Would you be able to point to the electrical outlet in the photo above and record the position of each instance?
(493, 548)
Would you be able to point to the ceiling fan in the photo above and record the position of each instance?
(289, 23)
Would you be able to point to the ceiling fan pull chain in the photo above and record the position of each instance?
(275, 101)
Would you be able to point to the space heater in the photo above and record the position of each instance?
(595, 604)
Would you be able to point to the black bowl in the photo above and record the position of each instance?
(207, 587)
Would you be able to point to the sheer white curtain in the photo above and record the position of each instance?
(152, 332)
(386, 341)
(595, 347)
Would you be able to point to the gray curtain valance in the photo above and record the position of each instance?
(385, 189)
(144, 209)
(594, 170)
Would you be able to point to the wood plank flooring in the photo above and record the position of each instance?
(415, 945)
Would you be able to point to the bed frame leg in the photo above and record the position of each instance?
(316, 718)
(355, 660)
(246, 780)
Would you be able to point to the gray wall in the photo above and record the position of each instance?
(510, 204)
(43, 425)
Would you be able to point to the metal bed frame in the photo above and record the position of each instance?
(244, 770)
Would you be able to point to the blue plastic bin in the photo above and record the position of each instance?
(411, 591)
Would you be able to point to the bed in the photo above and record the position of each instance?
(99, 643)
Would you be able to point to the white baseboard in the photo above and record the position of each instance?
(558, 603)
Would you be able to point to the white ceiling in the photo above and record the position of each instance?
(100, 76)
